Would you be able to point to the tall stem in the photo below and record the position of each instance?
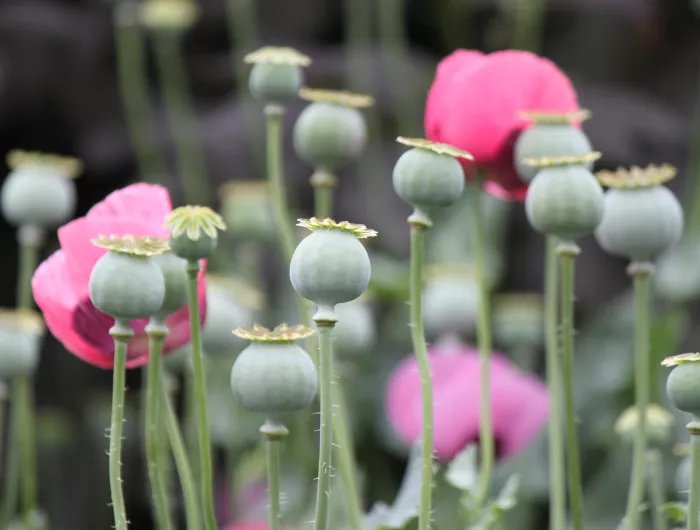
(190, 423)
(529, 18)
(121, 332)
(484, 341)
(419, 224)
(156, 331)
(323, 182)
(557, 476)
(642, 387)
(567, 256)
(274, 433)
(191, 162)
(694, 493)
(205, 466)
(325, 361)
(657, 493)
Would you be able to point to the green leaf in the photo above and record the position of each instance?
(463, 472)
(677, 512)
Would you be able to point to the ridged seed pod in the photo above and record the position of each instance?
(21, 333)
(277, 74)
(194, 232)
(682, 384)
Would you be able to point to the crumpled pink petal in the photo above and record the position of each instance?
(519, 402)
(473, 105)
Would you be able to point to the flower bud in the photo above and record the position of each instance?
(277, 75)
(331, 266)
(450, 301)
(193, 231)
(518, 321)
(21, 332)
(682, 384)
(175, 278)
(355, 332)
(247, 211)
(658, 426)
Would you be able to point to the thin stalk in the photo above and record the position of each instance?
(190, 423)
(121, 332)
(178, 104)
(205, 466)
(12, 467)
(133, 83)
(325, 362)
(274, 433)
(182, 463)
(642, 387)
(156, 331)
(484, 342)
(567, 253)
(323, 183)
(693, 209)
(529, 18)
(694, 493)
(3, 414)
(418, 228)
(657, 488)
(557, 475)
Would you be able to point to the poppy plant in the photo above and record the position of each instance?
(60, 284)
(520, 401)
(474, 103)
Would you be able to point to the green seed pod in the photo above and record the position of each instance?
(125, 283)
(277, 75)
(642, 217)
(247, 210)
(677, 277)
(355, 332)
(551, 134)
(683, 474)
(331, 131)
(175, 277)
(564, 199)
(429, 175)
(331, 266)
(450, 302)
(193, 231)
(21, 333)
(273, 375)
(40, 190)
(682, 384)
(518, 321)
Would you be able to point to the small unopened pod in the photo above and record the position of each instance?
(550, 134)
(429, 176)
(355, 333)
(450, 301)
(277, 74)
(642, 218)
(247, 210)
(40, 189)
(274, 375)
(564, 199)
(331, 131)
(21, 333)
(682, 384)
(658, 426)
(194, 231)
(330, 266)
(125, 283)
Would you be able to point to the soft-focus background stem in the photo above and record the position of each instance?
(190, 424)
(528, 17)
(656, 487)
(694, 493)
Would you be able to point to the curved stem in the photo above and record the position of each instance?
(642, 387)
(694, 493)
(156, 332)
(657, 493)
(121, 332)
(567, 255)
(426, 384)
(484, 341)
(205, 467)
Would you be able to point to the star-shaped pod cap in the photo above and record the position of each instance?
(278, 55)
(564, 160)
(555, 118)
(637, 177)
(132, 245)
(357, 230)
(282, 333)
(341, 98)
(276, 76)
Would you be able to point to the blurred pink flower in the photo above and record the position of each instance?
(473, 104)
(60, 284)
(519, 401)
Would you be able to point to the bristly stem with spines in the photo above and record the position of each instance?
(694, 493)
(567, 253)
(274, 433)
(657, 488)
(640, 273)
(205, 464)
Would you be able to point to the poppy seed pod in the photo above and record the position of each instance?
(682, 383)
(125, 283)
(273, 375)
(331, 131)
(683, 474)
(355, 332)
(518, 320)
(677, 277)
(21, 332)
(247, 211)
(193, 231)
(450, 302)
(564, 199)
(642, 217)
(175, 278)
(40, 190)
(277, 75)
(331, 266)
(551, 134)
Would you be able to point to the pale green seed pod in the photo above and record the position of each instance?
(677, 277)
(683, 475)
(247, 210)
(450, 303)
(355, 333)
(193, 232)
(518, 321)
(682, 384)
(175, 281)
(21, 333)
(658, 425)
(277, 74)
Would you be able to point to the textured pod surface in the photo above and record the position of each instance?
(428, 180)
(275, 83)
(19, 352)
(683, 388)
(223, 315)
(330, 267)
(328, 136)
(34, 195)
(174, 271)
(274, 378)
(565, 201)
(449, 307)
(640, 224)
(548, 139)
(355, 332)
(127, 287)
(193, 249)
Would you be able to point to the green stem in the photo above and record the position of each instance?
(182, 463)
(190, 406)
(657, 493)
(205, 465)
(156, 332)
(529, 18)
(567, 253)
(274, 433)
(693, 210)
(484, 342)
(121, 332)
(323, 183)
(133, 84)
(419, 224)
(12, 468)
(642, 387)
(694, 493)
(325, 361)
(557, 476)
(178, 104)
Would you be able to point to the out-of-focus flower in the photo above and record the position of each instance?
(474, 102)
(520, 402)
(60, 284)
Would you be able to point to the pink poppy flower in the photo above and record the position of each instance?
(473, 104)
(60, 284)
(519, 402)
